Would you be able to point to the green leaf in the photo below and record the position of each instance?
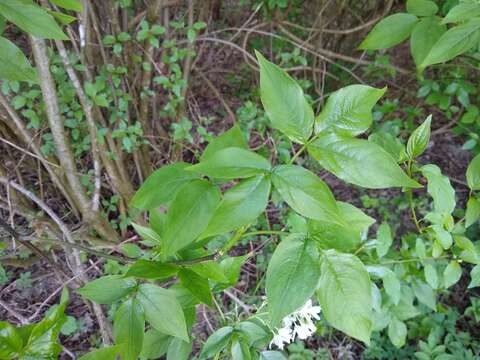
(32, 19)
(397, 332)
(64, 19)
(422, 7)
(389, 32)
(454, 42)
(359, 162)
(425, 294)
(345, 294)
(345, 237)
(231, 138)
(440, 189)
(13, 63)
(424, 35)
(179, 349)
(11, 342)
(155, 344)
(216, 342)
(384, 239)
(106, 353)
(462, 12)
(418, 141)
(162, 185)
(74, 5)
(451, 274)
(272, 355)
(431, 276)
(162, 310)
(473, 173)
(348, 111)
(389, 143)
(240, 206)
(292, 276)
(154, 270)
(392, 287)
(188, 215)
(232, 163)
(472, 213)
(108, 289)
(284, 102)
(474, 277)
(306, 193)
(129, 328)
(255, 332)
(209, 270)
(240, 349)
(147, 234)
(197, 285)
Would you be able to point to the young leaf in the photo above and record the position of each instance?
(345, 294)
(306, 193)
(162, 185)
(216, 342)
(451, 274)
(473, 173)
(188, 215)
(232, 163)
(397, 332)
(462, 12)
(472, 213)
(14, 65)
(197, 285)
(454, 42)
(474, 277)
(440, 189)
(162, 310)
(108, 289)
(359, 162)
(418, 141)
(240, 206)
(129, 328)
(384, 239)
(292, 276)
(422, 7)
(424, 35)
(284, 102)
(106, 353)
(389, 32)
(231, 138)
(32, 19)
(348, 111)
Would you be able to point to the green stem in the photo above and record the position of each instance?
(410, 199)
(264, 232)
(414, 260)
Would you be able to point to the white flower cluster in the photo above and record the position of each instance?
(299, 323)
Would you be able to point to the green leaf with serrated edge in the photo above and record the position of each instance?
(422, 7)
(425, 294)
(188, 215)
(454, 42)
(284, 102)
(341, 237)
(240, 206)
(32, 19)
(108, 289)
(13, 63)
(451, 274)
(397, 332)
(154, 270)
(216, 342)
(349, 110)
(147, 234)
(424, 35)
(306, 193)
(462, 12)
(359, 162)
(106, 353)
(161, 186)
(232, 163)
(440, 189)
(162, 310)
(431, 275)
(155, 344)
(129, 328)
(389, 32)
(197, 285)
(179, 349)
(292, 276)
(230, 138)
(384, 239)
(74, 5)
(418, 141)
(472, 213)
(474, 277)
(240, 349)
(473, 173)
(11, 342)
(345, 294)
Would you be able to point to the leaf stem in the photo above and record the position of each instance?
(410, 199)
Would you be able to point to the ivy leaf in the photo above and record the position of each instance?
(345, 294)
(162, 310)
(474, 277)
(216, 342)
(129, 328)
(473, 173)
(108, 289)
(389, 32)
(232, 163)
(231, 138)
(418, 141)
(284, 102)
(451, 274)
(348, 111)
(462, 12)
(359, 162)
(154, 270)
(424, 35)
(14, 65)
(472, 213)
(384, 239)
(440, 189)
(240, 206)
(292, 276)
(188, 215)
(161, 186)
(196, 285)
(397, 332)
(306, 193)
(422, 7)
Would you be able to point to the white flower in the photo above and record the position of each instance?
(305, 329)
(284, 336)
(309, 311)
